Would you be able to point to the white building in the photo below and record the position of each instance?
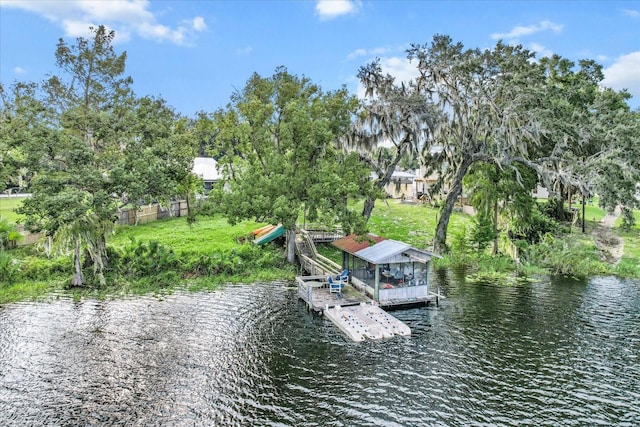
(207, 169)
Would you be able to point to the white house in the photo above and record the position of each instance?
(207, 169)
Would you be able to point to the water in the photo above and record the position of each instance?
(547, 353)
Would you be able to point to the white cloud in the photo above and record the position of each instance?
(126, 17)
(370, 52)
(19, 70)
(519, 31)
(623, 74)
(199, 24)
(400, 68)
(631, 13)
(357, 53)
(329, 9)
(540, 50)
(245, 50)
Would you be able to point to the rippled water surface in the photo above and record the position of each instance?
(538, 354)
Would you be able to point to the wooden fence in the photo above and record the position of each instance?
(147, 213)
(152, 212)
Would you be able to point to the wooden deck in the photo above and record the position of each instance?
(314, 290)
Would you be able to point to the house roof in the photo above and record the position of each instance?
(380, 250)
(354, 243)
(206, 168)
(396, 175)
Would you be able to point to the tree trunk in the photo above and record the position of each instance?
(78, 277)
(495, 227)
(369, 204)
(440, 240)
(560, 208)
(291, 246)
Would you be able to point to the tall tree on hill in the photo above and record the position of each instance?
(613, 168)
(72, 198)
(565, 115)
(275, 143)
(394, 119)
(496, 193)
(487, 98)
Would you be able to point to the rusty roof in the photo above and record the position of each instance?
(379, 250)
(354, 242)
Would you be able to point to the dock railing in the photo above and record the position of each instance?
(306, 285)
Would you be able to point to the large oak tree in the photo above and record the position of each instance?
(276, 144)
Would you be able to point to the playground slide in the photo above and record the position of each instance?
(270, 235)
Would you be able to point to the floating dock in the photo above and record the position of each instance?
(350, 310)
(366, 321)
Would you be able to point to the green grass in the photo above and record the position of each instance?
(210, 240)
(214, 237)
(207, 235)
(413, 224)
(593, 213)
(8, 206)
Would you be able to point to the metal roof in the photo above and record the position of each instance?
(379, 250)
(353, 243)
(378, 253)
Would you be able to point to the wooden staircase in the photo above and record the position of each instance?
(310, 260)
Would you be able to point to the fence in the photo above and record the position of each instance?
(152, 212)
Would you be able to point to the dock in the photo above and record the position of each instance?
(354, 313)
(314, 290)
(350, 307)
(366, 321)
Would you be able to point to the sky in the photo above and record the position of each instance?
(196, 53)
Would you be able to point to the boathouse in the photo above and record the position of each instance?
(391, 272)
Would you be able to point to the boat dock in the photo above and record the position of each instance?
(364, 321)
(344, 301)
(350, 310)
(316, 292)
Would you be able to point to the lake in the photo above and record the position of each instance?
(553, 352)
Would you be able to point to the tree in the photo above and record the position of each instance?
(613, 170)
(395, 122)
(486, 97)
(496, 193)
(589, 142)
(275, 143)
(72, 198)
(156, 157)
(25, 128)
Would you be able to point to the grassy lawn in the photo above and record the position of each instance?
(8, 206)
(593, 213)
(207, 235)
(413, 224)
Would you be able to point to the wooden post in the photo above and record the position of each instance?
(376, 289)
(582, 213)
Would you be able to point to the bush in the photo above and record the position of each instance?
(534, 228)
(9, 268)
(567, 256)
(140, 259)
(36, 268)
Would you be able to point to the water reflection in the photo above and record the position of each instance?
(545, 353)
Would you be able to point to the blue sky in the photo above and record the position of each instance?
(195, 54)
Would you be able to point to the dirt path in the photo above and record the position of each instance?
(609, 245)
